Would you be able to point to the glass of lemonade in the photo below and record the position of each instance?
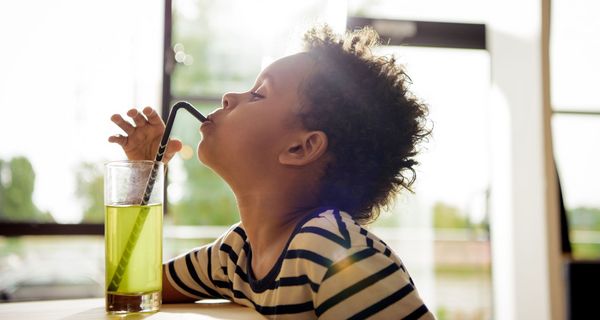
(133, 236)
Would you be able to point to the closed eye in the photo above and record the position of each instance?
(256, 96)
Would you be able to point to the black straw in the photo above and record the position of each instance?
(165, 137)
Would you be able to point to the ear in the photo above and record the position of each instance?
(309, 147)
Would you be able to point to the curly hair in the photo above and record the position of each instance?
(373, 123)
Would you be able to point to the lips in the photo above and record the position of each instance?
(213, 115)
(210, 120)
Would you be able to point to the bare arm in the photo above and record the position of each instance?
(170, 294)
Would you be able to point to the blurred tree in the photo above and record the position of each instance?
(584, 218)
(202, 69)
(89, 180)
(17, 182)
(207, 51)
(3, 181)
(447, 216)
(206, 198)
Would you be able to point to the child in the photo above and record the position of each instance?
(322, 141)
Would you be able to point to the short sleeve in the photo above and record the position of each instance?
(368, 284)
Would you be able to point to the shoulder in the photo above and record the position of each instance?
(355, 272)
(331, 236)
(235, 235)
(333, 231)
(365, 284)
(231, 245)
(228, 245)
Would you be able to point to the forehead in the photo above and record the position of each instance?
(288, 72)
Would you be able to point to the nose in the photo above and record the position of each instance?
(229, 100)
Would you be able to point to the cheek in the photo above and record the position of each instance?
(225, 147)
(236, 141)
(261, 138)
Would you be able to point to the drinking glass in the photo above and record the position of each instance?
(133, 235)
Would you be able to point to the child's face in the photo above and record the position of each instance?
(246, 135)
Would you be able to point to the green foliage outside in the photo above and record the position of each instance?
(216, 68)
(89, 181)
(217, 64)
(450, 217)
(17, 182)
(585, 251)
(206, 199)
(580, 219)
(447, 216)
(584, 219)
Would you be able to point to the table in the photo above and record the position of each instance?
(93, 309)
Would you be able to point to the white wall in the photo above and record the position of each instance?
(524, 233)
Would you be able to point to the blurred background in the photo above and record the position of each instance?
(68, 65)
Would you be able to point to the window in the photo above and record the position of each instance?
(576, 119)
(59, 98)
(447, 215)
(65, 71)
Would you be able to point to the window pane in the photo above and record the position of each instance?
(577, 157)
(69, 267)
(217, 48)
(452, 185)
(48, 268)
(66, 72)
(197, 196)
(574, 51)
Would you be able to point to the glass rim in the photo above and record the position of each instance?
(129, 163)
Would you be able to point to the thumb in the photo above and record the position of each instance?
(173, 146)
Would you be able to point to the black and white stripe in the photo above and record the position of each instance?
(332, 268)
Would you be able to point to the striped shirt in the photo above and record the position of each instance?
(332, 268)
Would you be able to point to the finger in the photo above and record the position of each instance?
(152, 115)
(119, 121)
(119, 139)
(137, 117)
(173, 146)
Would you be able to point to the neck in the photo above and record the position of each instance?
(271, 208)
(268, 219)
(270, 211)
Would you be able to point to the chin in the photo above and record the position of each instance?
(201, 154)
(204, 155)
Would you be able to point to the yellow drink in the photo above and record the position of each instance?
(143, 274)
(133, 235)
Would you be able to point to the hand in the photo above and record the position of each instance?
(143, 139)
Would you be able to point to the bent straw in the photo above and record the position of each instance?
(141, 218)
